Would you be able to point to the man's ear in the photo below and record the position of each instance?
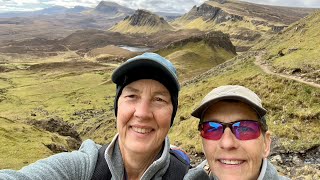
(267, 144)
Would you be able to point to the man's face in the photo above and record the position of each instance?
(228, 157)
(144, 116)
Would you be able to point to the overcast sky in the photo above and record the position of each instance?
(181, 6)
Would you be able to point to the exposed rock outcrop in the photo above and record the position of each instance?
(208, 12)
(146, 18)
(142, 21)
(57, 125)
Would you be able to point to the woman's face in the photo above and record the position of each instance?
(144, 116)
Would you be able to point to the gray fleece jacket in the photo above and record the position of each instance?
(268, 172)
(80, 165)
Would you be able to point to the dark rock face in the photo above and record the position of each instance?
(208, 12)
(205, 11)
(56, 148)
(57, 125)
(145, 18)
(278, 28)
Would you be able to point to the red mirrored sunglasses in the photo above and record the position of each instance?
(243, 129)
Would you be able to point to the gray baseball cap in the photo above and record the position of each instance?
(233, 92)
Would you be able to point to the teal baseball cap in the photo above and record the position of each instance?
(147, 66)
(151, 64)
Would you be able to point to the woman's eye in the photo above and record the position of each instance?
(131, 96)
(159, 99)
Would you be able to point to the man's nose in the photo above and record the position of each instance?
(228, 140)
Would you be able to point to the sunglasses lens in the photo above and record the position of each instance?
(243, 130)
(212, 130)
(246, 130)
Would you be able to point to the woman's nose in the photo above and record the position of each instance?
(143, 109)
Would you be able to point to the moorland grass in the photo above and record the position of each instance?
(299, 43)
(195, 58)
(293, 108)
(31, 96)
(22, 144)
(85, 100)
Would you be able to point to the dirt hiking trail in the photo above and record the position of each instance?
(266, 69)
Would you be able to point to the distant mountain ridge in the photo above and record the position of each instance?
(54, 10)
(245, 22)
(107, 7)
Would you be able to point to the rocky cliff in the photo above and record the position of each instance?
(141, 21)
(211, 13)
(245, 22)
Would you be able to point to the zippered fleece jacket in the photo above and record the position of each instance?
(80, 164)
(268, 172)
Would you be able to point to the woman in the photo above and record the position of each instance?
(145, 106)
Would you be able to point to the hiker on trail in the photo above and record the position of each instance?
(235, 136)
(145, 105)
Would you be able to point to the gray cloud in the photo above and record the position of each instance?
(291, 3)
(180, 6)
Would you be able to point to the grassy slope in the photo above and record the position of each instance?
(195, 58)
(304, 36)
(232, 28)
(62, 94)
(22, 144)
(290, 106)
(71, 96)
(81, 96)
(294, 108)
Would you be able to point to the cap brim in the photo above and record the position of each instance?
(199, 112)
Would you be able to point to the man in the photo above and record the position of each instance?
(235, 136)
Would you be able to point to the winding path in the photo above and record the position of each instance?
(265, 68)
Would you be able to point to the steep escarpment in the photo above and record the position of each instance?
(208, 12)
(141, 21)
(245, 22)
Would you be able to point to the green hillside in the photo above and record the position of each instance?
(245, 22)
(296, 48)
(290, 105)
(195, 58)
(79, 93)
